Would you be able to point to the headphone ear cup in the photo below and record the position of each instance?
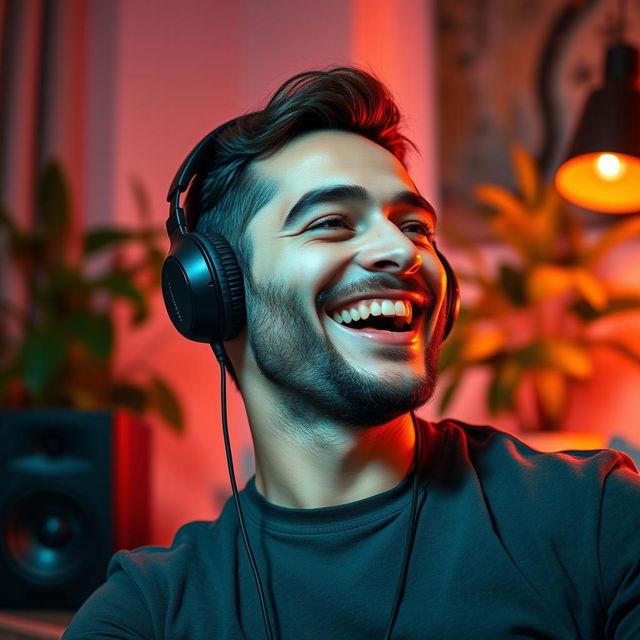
(453, 294)
(203, 288)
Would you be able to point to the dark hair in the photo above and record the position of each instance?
(226, 197)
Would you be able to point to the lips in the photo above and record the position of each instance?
(377, 336)
(387, 317)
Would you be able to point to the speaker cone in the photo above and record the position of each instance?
(47, 537)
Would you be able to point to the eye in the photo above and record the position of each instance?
(332, 222)
(421, 228)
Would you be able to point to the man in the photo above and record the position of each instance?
(365, 523)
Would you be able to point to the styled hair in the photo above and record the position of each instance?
(225, 198)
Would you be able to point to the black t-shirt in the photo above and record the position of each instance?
(510, 543)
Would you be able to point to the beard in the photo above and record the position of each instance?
(316, 381)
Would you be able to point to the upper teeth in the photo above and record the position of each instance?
(363, 310)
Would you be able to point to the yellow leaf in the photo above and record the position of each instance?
(505, 203)
(547, 216)
(527, 175)
(548, 280)
(569, 358)
(551, 389)
(616, 235)
(483, 344)
(590, 288)
(513, 237)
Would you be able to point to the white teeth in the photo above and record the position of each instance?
(402, 310)
(388, 308)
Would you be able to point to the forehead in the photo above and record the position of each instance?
(325, 158)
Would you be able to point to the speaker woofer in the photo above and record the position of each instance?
(74, 488)
(46, 538)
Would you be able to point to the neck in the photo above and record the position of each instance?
(315, 463)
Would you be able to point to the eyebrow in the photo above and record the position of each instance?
(343, 192)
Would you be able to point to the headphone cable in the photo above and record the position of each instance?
(411, 532)
(221, 356)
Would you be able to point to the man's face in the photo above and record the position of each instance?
(345, 231)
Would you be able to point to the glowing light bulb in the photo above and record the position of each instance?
(609, 167)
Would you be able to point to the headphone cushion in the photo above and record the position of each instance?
(453, 295)
(228, 280)
(203, 288)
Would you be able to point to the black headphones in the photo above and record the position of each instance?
(202, 284)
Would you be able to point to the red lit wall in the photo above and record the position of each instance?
(151, 78)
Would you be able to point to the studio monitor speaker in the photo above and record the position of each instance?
(74, 488)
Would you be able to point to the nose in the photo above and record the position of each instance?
(387, 248)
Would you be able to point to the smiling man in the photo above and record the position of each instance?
(345, 297)
(363, 521)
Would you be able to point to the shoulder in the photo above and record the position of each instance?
(517, 481)
(154, 563)
(143, 587)
(495, 453)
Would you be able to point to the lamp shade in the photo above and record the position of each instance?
(602, 167)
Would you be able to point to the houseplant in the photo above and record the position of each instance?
(58, 335)
(532, 319)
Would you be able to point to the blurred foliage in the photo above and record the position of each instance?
(531, 322)
(57, 348)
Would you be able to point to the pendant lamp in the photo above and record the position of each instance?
(602, 168)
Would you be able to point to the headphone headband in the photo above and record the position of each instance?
(194, 161)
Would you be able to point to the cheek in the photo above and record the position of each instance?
(306, 272)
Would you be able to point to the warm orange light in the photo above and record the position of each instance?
(610, 167)
(604, 182)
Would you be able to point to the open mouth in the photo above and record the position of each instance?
(377, 314)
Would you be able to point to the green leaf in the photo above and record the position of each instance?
(131, 396)
(167, 403)
(52, 203)
(503, 385)
(95, 331)
(122, 285)
(22, 245)
(43, 354)
(105, 238)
